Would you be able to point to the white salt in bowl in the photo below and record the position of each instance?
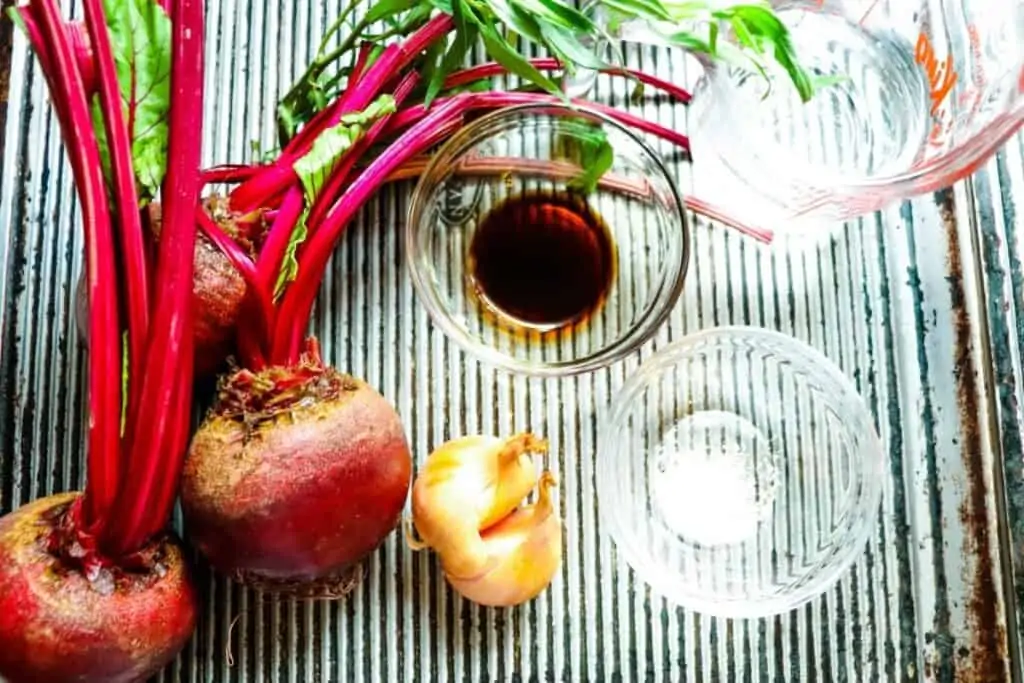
(739, 473)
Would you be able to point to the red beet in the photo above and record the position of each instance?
(218, 290)
(58, 625)
(295, 476)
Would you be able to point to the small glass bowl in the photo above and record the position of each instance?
(739, 473)
(539, 150)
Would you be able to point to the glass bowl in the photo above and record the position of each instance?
(739, 473)
(525, 270)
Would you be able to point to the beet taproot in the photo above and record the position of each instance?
(61, 622)
(295, 476)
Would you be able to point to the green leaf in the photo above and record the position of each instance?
(764, 29)
(593, 153)
(518, 20)
(465, 36)
(442, 5)
(687, 11)
(385, 9)
(502, 53)
(565, 43)
(432, 62)
(553, 12)
(14, 13)
(140, 36)
(743, 35)
(453, 59)
(315, 168)
(402, 27)
(290, 264)
(652, 10)
(688, 41)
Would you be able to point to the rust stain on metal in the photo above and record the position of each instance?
(987, 660)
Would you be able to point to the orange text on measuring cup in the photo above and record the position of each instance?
(941, 75)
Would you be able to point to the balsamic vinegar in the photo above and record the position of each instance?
(544, 259)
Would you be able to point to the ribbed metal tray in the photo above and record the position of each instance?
(894, 299)
(996, 194)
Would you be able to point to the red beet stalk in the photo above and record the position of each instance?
(228, 173)
(482, 71)
(145, 502)
(80, 45)
(65, 83)
(252, 194)
(133, 251)
(497, 99)
(298, 300)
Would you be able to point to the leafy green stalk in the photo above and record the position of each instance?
(315, 168)
(129, 112)
(755, 34)
(318, 86)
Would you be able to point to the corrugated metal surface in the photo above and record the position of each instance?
(996, 194)
(893, 299)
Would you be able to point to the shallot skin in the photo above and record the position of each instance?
(294, 503)
(57, 626)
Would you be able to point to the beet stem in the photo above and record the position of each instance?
(360, 64)
(481, 71)
(145, 502)
(336, 183)
(42, 51)
(104, 475)
(227, 246)
(394, 59)
(126, 201)
(268, 264)
(496, 99)
(298, 300)
(228, 173)
(253, 192)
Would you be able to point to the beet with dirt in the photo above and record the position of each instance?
(295, 476)
(62, 621)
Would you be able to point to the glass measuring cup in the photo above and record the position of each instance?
(921, 93)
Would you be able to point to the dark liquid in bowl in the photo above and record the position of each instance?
(544, 259)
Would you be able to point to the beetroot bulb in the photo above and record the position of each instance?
(93, 586)
(55, 620)
(296, 474)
